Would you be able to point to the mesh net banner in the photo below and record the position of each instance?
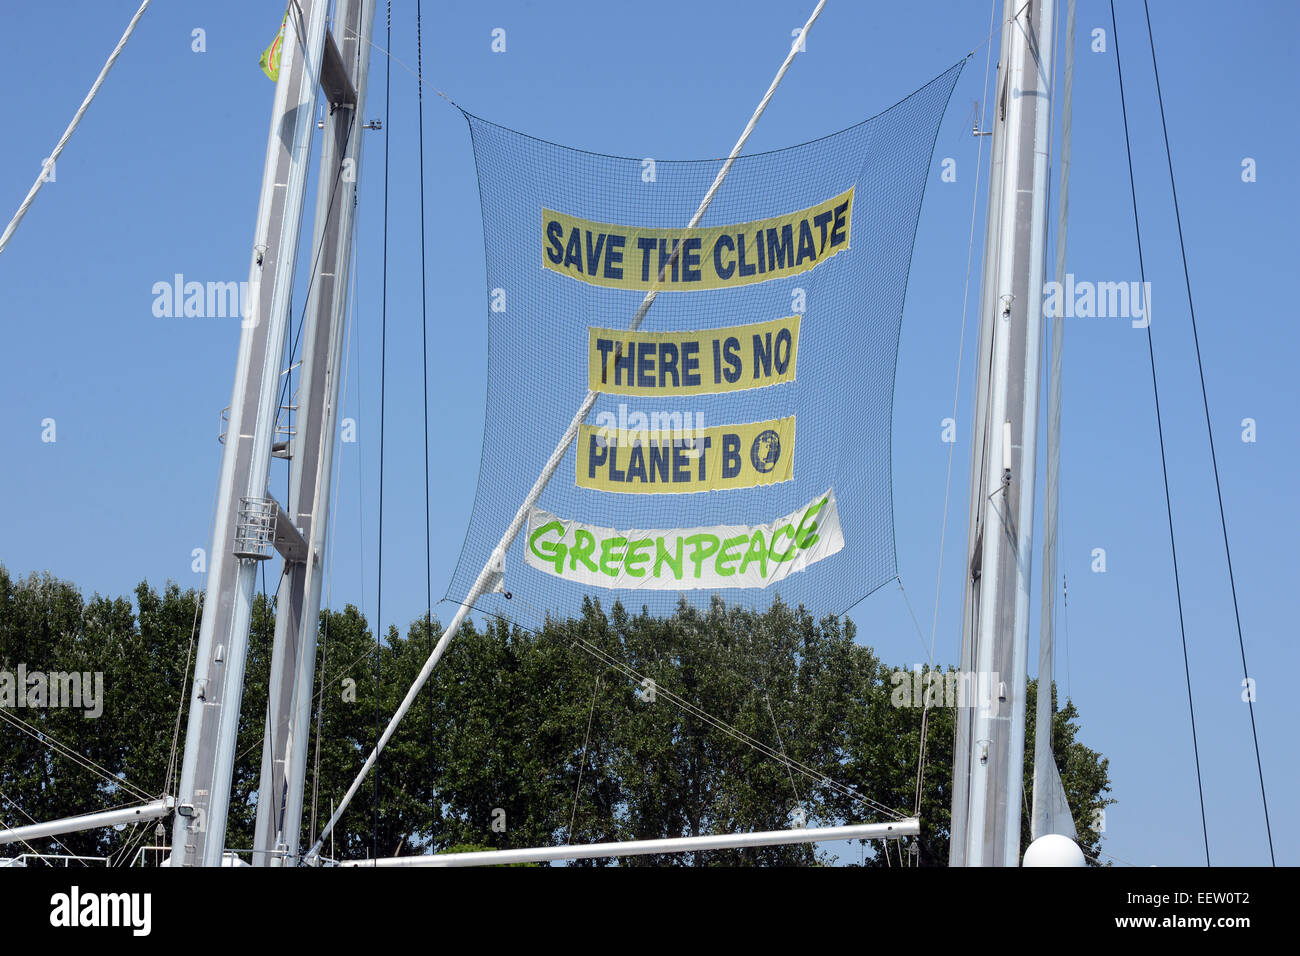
(739, 444)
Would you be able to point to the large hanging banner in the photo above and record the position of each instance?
(739, 445)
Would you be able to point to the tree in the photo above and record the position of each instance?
(607, 726)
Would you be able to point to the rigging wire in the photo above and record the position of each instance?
(393, 59)
(133, 838)
(956, 395)
(688, 707)
(573, 816)
(1205, 402)
(776, 729)
(199, 596)
(1052, 358)
(719, 724)
(637, 677)
(333, 519)
(60, 749)
(424, 354)
(9, 800)
(1164, 466)
(30, 849)
(383, 372)
(1062, 235)
(293, 341)
(172, 765)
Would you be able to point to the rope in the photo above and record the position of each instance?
(1164, 466)
(1205, 402)
(67, 133)
(394, 59)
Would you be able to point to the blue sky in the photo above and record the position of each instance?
(163, 177)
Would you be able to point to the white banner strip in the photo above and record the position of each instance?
(684, 559)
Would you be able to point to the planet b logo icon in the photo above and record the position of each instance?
(765, 452)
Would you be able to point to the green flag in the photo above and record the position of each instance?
(270, 61)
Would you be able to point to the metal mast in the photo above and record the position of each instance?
(293, 658)
(249, 522)
(990, 743)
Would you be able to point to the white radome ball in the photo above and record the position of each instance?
(1053, 849)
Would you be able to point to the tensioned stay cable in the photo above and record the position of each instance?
(349, 324)
(956, 394)
(1205, 402)
(776, 728)
(687, 706)
(424, 354)
(638, 678)
(577, 791)
(135, 836)
(72, 126)
(43, 737)
(182, 698)
(1164, 466)
(333, 519)
(1043, 757)
(383, 371)
(9, 800)
(293, 340)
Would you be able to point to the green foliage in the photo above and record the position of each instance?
(610, 726)
(45, 625)
(470, 848)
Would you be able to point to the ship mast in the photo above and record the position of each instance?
(249, 522)
(293, 660)
(990, 741)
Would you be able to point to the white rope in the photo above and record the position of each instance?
(67, 133)
(487, 576)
